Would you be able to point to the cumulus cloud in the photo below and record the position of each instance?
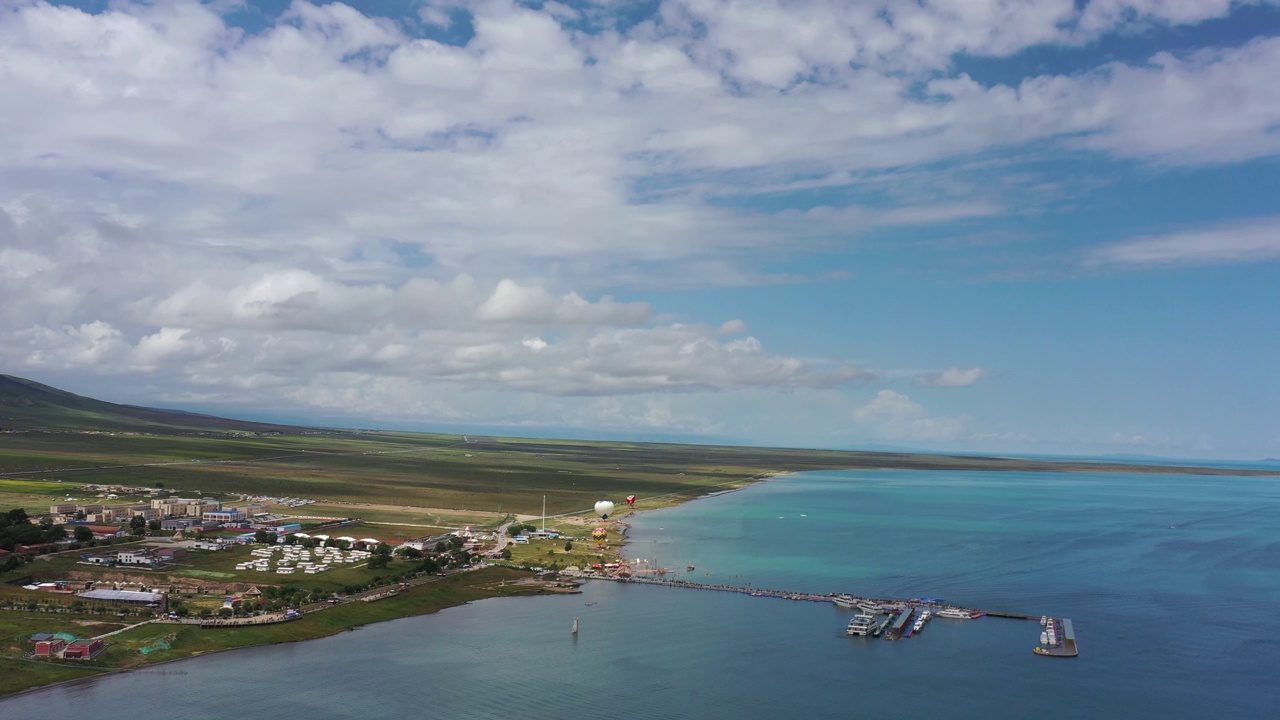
(951, 377)
(895, 416)
(329, 208)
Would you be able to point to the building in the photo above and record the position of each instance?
(224, 516)
(136, 557)
(146, 511)
(181, 523)
(83, 649)
(170, 554)
(200, 507)
(159, 601)
(50, 647)
(64, 509)
(207, 545)
(102, 532)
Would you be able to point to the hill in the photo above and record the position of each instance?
(29, 405)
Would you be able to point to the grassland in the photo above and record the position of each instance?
(412, 478)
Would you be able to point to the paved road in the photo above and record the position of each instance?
(501, 533)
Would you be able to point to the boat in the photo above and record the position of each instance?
(690, 568)
(1044, 638)
(867, 606)
(920, 622)
(575, 626)
(848, 602)
(861, 624)
(960, 613)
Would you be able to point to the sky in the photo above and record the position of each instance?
(1012, 226)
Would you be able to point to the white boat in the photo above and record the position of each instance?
(869, 607)
(960, 613)
(1044, 638)
(920, 621)
(844, 601)
(861, 624)
(575, 626)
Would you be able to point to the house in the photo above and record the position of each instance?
(83, 649)
(101, 532)
(207, 545)
(170, 554)
(50, 647)
(136, 557)
(107, 558)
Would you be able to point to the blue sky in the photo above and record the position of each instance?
(1038, 227)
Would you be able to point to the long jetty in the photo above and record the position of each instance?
(924, 603)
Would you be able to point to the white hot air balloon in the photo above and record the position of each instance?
(604, 509)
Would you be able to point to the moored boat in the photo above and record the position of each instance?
(861, 624)
(960, 613)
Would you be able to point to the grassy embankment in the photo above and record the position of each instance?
(124, 650)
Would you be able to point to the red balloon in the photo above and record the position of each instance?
(631, 500)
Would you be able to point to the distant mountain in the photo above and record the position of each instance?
(29, 405)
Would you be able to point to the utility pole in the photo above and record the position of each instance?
(544, 513)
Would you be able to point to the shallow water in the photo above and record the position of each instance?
(1173, 622)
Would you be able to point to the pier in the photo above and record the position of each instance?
(900, 612)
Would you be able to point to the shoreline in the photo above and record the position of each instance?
(101, 672)
(581, 517)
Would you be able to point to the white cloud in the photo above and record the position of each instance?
(951, 377)
(330, 210)
(1141, 441)
(894, 416)
(1242, 241)
(512, 303)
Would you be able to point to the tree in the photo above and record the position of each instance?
(506, 553)
(263, 537)
(455, 542)
(137, 525)
(82, 533)
(568, 546)
(153, 526)
(224, 613)
(381, 556)
(410, 552)
(79, 514)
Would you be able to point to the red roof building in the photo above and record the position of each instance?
(49, 648)
(83, 649)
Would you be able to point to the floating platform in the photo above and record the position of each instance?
(900, 624)
(1068, 648)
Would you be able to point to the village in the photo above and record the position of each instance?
(220, 563)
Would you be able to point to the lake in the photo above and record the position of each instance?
(1171, 581)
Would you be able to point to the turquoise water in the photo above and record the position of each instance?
(1173, 622)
